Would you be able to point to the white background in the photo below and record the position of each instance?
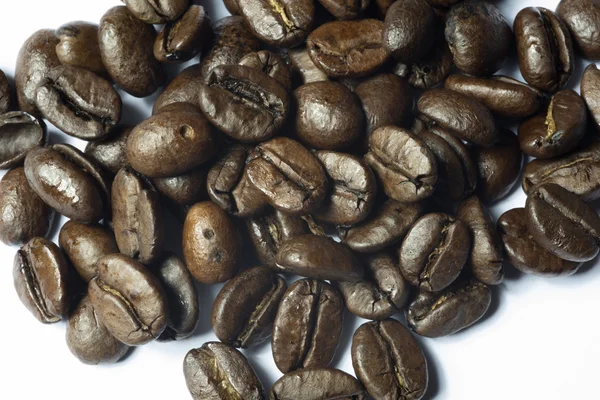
(540, 339)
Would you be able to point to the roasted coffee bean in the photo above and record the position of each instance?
(157, 11)
(317, 384)
(291, 178)
(128, 300)
(232, 6)
(183, 191)
(462, 116)
(544, 48)
(218, 371)
(170, 144)
(68, 182)
(389, 361)
(558, 130)
(431, 70)
(479, 37)
(126, 50)
(305, 67)
(78, 102)
(43, 280)
(406, 168)
(562, 223)
(280, 23)
(181, 107)
(89, 340)
(19, 133)
(137, 216)
(504, 96)
(434, 251)
(383, 292)
(36, 57)
(110, 152)
(349, 49)
(486, 252)
(449, 311)
(184, 88)
(583, 19)
(211, 243)
(244, 310)
(385, 227)
(244, 103)
(84, 245)
(524, 253)
(319, 257)
(328, 116)
(271, 64)
(184, 38)
(181, 297)
(409, 30)
(308, 326)
(6, 94)
(78, 46)
(341, 9)
(590, 91)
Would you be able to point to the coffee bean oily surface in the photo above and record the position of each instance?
(6, 95)
(590, 91)
(317, 384)
(110, 152)
(79, 46)
(19, 133)
(273, 64)
(157, 11)
(583, 19)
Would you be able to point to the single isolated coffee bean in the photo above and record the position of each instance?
(217, 371)
(244, 310)
(6, 94)
(544, 48)
(110, 153)
(184, 88)
(271, 64)
(557, 131)
(19, 133)
(583, 19)
(43, 281)
(344, 10)
(79, 102)
(211, 243)
(524, 253)
(183, 191)
(157, 11)
(137, 216)
(304, 66)
(319, 257)
(389, 361)
(590, 91)
(128, 300)
(431, 70)
(78, 46)
(89, 340)
(562, 223)
(317, 384)
(444, 313)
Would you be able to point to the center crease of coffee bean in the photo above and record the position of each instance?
(220, 379)
(143, 327)
(255, 316)
(281, 11)
(248, 92)
(33, 288)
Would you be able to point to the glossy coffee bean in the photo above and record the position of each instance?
(328, 116)
(68, 182)
(479, 37)
(344, 10)
(232, 6)
(211, 243)
(385, 227)
(308, 326)
(79, 102)
(84, 245)
(42, 279)
(544, 48)
(126, 49)
(389, 361)
(157, 11)
(382, 293)
(583, 19)
(524, 253)
(304, 66)
(19, 133)
(110, 152)
(449, 311)
(409, 29)
(6, 94)
(217, 371)
(137, 217)
(271, 64)
(558, 130)
(78, 46)
(89, 340)
(486, 251)
(183, 191)
(184, 88)
(319, 257)
(562, 223)
(317, 384)
(349, 49)
(431, 70)
(590, 91)
(245, 308)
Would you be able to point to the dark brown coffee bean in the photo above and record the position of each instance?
(232, 6)
(244, 310)
(184, 88)
(562, 223)
(6, 94)
(84, 245)
(271, 64)
(78, 46)
(137, 217)
(110, 152)
(42, 279)
(431, 70)
(344, 10)
(308, 326)
(583, 19)
(157, 11)
(304, 67)
(348, 48)
(389, 361)
(409, 30)
(183, 191)
(211, 243)
(317, 384)
(19, 133)
(219, 371)
(524, 253)
(89, 340)
(590, 91)
(126, 49)
(128, 300)
(319, 257)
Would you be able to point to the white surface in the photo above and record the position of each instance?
(540, 339)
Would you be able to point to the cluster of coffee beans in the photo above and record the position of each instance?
(298, 125)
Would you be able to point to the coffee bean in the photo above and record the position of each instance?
(271, 64)
(583, 19)
(183, 191)
(305, 67)
(184, 88)
(157, 11)
(389, 361)
(78, 46)
(232, 6)
(19, 133)
(344, 10)
(6, 94)
(110, 153)
(317, 384)
(409, 29)
(590, 91)
(431, 70)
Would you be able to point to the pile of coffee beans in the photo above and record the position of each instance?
(357, 145)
